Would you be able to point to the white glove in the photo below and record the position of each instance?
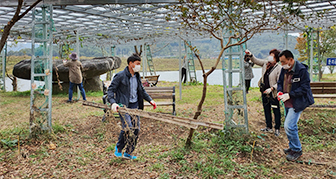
(115, 107)
(248, 52)
(284, 97)
(268, 91)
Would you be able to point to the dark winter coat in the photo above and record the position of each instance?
(300, 92)
(119, 90)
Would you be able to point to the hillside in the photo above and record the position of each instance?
(260, 45)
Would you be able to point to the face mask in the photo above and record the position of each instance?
(286, 67)
(270, 59)
(136, 68)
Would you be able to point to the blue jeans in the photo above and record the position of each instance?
(130, 130)
(291, 129)
(80, 88)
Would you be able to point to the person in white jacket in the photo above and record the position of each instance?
(268, 88)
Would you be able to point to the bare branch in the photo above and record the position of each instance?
(30, 8)
(12, 22)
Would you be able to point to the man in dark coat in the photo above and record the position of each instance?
(294, 90)
(126, 88)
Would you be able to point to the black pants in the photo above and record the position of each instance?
(184, 75)
(247, 85)
(269, 103)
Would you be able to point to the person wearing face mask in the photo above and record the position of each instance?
(268, 88)
(126, 88)
(294, 90)
(248, 72)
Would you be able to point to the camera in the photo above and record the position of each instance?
(247, 58)
(262, 86)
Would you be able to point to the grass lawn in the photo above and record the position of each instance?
(82, 146)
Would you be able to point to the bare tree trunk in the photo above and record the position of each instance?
(13, 78)
(200, 104)
(14, 83)
(320, 72)
(205, 77)
(331, 68)
(136, 50)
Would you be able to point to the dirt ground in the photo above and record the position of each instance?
(83, 146)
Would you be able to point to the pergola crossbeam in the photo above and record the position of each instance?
(124, 21)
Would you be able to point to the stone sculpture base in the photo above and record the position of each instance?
(93, 84)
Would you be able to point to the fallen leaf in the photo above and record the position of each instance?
(51, 146)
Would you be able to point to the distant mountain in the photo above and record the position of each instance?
(259, 45)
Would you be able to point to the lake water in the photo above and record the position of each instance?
(216, 78)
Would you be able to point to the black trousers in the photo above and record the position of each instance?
(270, 103)
(247, 85)
(184, 75)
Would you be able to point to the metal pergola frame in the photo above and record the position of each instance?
(123, 21)
(113, 22)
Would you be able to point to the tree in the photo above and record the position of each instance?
(327, 43)
(17, 16)
(239, 20)
(301, 46)
(6, 30)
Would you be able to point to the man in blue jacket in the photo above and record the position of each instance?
(126, 88)
(294, 90)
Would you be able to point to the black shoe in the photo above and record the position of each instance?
(287, 151)
(277, 132)
(267, 129)
(294, 155)
(69, 101)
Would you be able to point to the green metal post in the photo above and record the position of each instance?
(78, 55)
(150, 60)
(180, 66)
(3, 67)
(232, 119)
(191, 64)
(41, 68)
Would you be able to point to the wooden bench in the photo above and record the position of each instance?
(151, 80)
(167, 93)
(323, 89)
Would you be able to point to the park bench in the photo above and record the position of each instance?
(162, 93)
(151, 80)
(323, 89)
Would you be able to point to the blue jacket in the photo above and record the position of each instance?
(119, 89)
(300, 92)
